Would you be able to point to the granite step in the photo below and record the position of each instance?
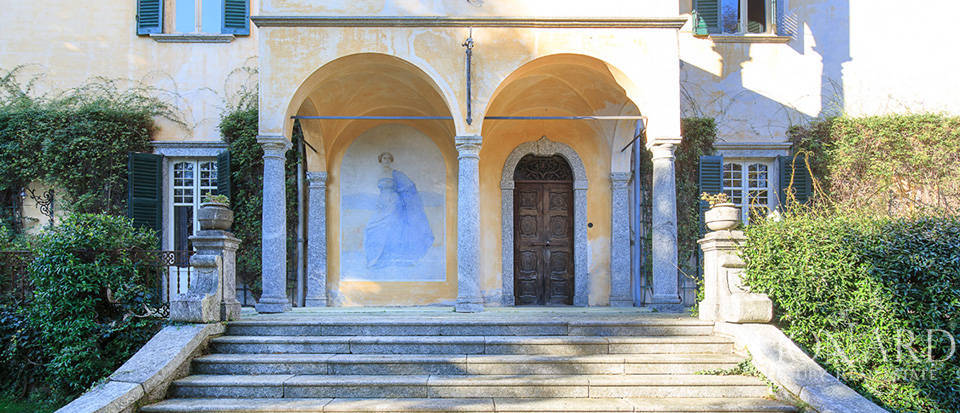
(443, 364)
(441, 386)
(484, 327)
(472, 405)
(553, 345)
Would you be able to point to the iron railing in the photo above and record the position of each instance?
(164, 275)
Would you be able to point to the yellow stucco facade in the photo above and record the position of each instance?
(531, 58)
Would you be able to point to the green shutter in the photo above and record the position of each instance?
(223, 174)
(236, 17)
(707, 14)
(149, 16)
(710, 180)
(794, 177)
(144, 190)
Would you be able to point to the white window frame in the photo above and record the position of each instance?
(745, 186)
(743, 23)
(197, 18)
(198, 191)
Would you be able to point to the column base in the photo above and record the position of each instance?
(273, 305)
(580, 301)
(621, 302)
(468, 307)
(315, 302)
(229, 311)
(667, 303)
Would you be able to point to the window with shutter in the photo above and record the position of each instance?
(211, 16)
(144, 190)
(736, 16)
(149, 16)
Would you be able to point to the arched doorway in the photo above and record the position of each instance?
(543, 232)
(543, 165)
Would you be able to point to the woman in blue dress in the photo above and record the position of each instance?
(398, 234)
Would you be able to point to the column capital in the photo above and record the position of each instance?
(619, 179)
(274, 145)
(663, 151)
(317, 179)
(664, 140)
(469, 145)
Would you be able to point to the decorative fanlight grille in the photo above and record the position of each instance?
(543, 168)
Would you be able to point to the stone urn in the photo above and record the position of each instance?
(215, 215)
(721, 217)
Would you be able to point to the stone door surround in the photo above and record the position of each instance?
(545, 147)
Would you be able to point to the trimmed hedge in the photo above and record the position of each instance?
(860, 294)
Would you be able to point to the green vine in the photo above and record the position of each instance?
(75, 141)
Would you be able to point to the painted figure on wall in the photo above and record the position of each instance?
(398, 234)
(392, 183)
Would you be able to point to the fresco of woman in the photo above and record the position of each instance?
(398, 234)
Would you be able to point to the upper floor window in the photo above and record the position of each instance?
(206, 17)
(198, 16)
(735, 16)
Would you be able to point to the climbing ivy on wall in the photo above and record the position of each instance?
(239, 129)
(75, 141)
(896, 165)
(699, 135)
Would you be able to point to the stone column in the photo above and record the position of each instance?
(317, 241)
(274, 226)
(665, 292)
(469, 299)
(620, 293)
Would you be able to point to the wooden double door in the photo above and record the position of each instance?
(543, 242)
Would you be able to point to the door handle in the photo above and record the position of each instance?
(540, 244)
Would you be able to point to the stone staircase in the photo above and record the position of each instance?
(515, 362)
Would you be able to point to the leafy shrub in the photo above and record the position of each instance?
(861, 294)
(239, 129)
(21, 353)
(900, 164)
(86, 295)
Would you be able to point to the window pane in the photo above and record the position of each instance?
(182, 229)
(732, 175)
(186, 18)
(730, 16)
(208, 179)
(183, 183)
(757, 16)
(757, 176)
(211, 16)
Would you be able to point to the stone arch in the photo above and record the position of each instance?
(545, 147)
(399, 86)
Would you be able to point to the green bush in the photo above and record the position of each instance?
(239, 129)
(861, 293)
(85, 308)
